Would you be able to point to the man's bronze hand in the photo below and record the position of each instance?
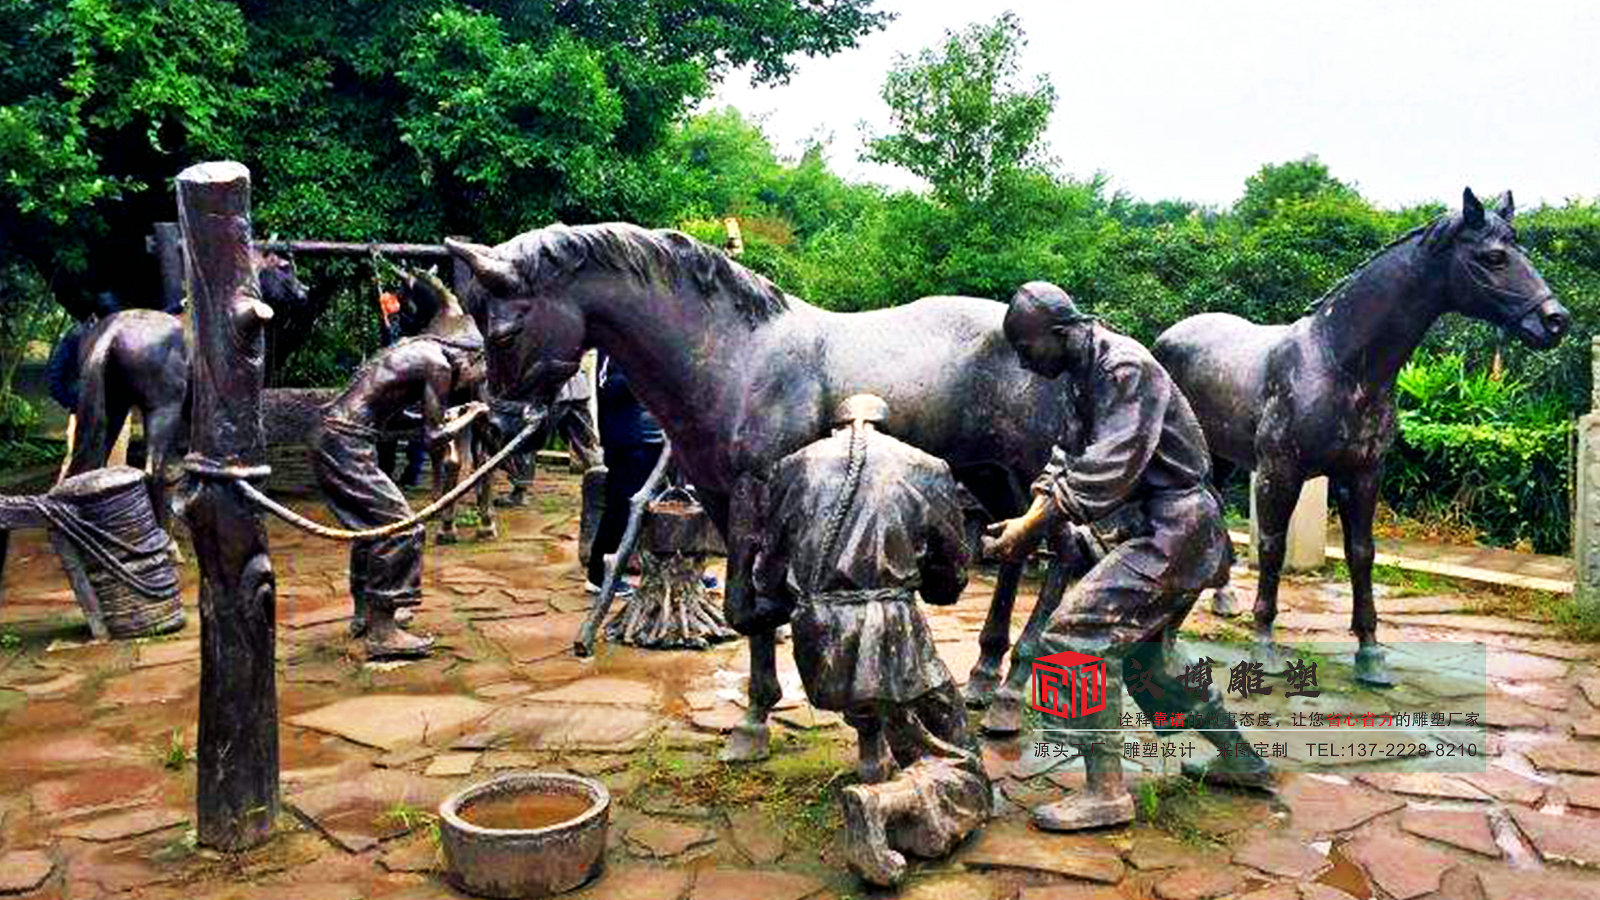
(1007, 541)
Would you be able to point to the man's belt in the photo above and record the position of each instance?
(859, 597)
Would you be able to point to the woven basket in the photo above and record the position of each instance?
(117, 503)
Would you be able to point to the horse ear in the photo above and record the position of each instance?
(1471, 209)
(1506, 207)
(496, 272)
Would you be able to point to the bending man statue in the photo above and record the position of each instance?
(857, 524)
(1139, 444)
(386, 572)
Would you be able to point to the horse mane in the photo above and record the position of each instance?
(551, 256)
(1433, 235)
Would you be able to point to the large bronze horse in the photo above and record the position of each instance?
(1316, 397)
(741, 374)
(137, 359)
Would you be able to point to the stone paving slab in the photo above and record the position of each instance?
(22, 871)
(1466, 829)
(389, 721)
(569, 727)
(358, 813)
(1005, 846)
(1559, 838)
(1402, 867)
(124, 825)
(749, 884)
(1328, 807)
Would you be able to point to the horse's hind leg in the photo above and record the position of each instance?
(1357, 498)
(479, 453)
(160, 436)
(446, 472)
(995, 639)
(1277, 491)
(1005, 710)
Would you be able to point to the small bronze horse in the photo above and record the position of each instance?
(137, 359)
(1317, 397)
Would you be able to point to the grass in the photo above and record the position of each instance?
(10, 640)
(1576, 616)
(796, 786)
(411, 818)
(1174, 804)
(1407, 583)
(175, 754)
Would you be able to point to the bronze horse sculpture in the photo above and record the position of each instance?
(1316, 397)
(137, 359)
(741, 374)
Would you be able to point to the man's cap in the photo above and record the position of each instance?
(862, 407)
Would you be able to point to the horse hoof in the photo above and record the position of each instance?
(488, 534)
(980, 689)
(1266, 653)
(747, 743)
(1372, 669)
(1222, 604)
(1004, 716)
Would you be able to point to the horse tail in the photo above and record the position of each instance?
(852, 483)
(91, 439)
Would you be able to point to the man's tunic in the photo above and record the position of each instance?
(1136, 442)
(859, 641)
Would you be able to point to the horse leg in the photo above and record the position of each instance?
(479, 453)
(1357, 498)
(1223, 601)
(1005, 709)
(995, 639)
(1277, 491)
(749, 741)
(160, 434)
(445, 471)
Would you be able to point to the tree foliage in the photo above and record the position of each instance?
(963, 117)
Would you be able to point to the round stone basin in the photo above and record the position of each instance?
(527, 834)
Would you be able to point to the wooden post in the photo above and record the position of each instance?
(238, 744)
(167, 244)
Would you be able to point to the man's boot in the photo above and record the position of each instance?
(386, 640)
(866, 837)
(1237, 764)
(1105, 801)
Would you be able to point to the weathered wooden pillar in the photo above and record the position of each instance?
(1586, 491)
(238, 744)
(166, 242)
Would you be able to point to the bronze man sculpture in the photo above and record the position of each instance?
(1140, 445)
(859, 524)
(1316, 397)
(385, 573)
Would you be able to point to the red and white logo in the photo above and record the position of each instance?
(1068, 684)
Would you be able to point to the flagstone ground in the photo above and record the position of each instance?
(96, 792)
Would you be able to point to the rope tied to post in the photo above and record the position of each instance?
(244, 475)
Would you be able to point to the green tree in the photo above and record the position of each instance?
(1276, 185)
(405, 119)
(963, 117)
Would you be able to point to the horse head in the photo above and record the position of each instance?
(534, 336)
(281, 288)
(1490, 278)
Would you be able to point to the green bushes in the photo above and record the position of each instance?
(1481, 450)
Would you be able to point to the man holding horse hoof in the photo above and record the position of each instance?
(1138, 443)
(857, 525)
(386, 572)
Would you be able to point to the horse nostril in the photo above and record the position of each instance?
(1557, 322)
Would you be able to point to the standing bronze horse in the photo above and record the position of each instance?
(1316, 397)
(741, 374)
(137, 359)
